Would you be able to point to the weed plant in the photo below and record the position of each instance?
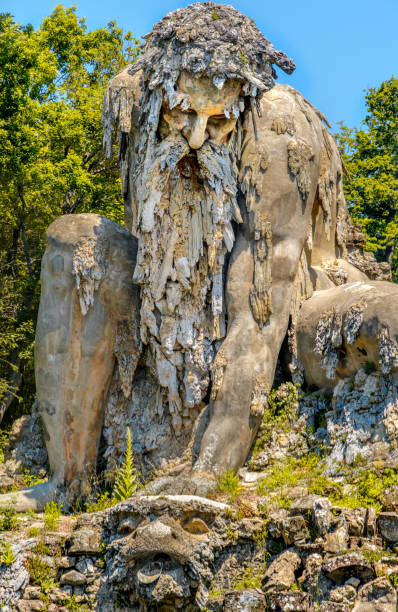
(229, 483)
(127, 479)
(8, 518)
(52, 514)
(8, 556)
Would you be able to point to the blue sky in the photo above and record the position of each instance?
(340, 47)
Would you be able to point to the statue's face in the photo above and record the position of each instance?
(205, 117)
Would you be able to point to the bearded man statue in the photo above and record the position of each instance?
(234, 215)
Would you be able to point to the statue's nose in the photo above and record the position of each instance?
(198, 134)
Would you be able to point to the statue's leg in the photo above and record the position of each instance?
(349, 327)
(248, 359)
(86, 293)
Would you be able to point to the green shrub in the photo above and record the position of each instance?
(102, 502)
(8, 556)
(127, 479)
(8, 518)
(229, 483)
(72, 605)
(52, 513)
(41, 573)
(33, 532)
(4, 438)
(249, 580)
(30, 480)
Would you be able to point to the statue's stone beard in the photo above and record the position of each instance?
(184, 232)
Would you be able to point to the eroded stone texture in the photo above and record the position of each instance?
(13, 579)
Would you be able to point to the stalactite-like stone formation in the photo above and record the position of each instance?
(353, 321)
(261, 291)
(89, 266)
(328, 339)
(388, 351)
(260, 394)
(127, 350)
(299, 156)
(332, 330)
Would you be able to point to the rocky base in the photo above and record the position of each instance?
(191, 553)
(310, 524)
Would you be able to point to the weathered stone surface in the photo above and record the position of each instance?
(336, 541)
(356, 520)
(322, 515)
(389, 498)
(388, 525)
(287, 601)
(345, 594)
(248, 600)
(281, 572)
(85, 541)
(342, 567)
(30, 606)
(13, 579)
(376, 596)
(304, 505)
(332, 606)
(292, 529)
(73, 578)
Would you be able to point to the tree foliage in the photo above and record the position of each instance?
(51, 160)
(371, 158)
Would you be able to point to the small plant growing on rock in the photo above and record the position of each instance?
(102, 502)
(52, 513)
(127, 480)
(229, 483)
(260, 537)
(33, 532)
(72, 605)
(30, 480)
(249, 580)
(280, 412)
(231, 535)
(8, 518)
(4, 438)
(40, 572)
(8, 556)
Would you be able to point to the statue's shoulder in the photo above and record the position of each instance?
(127, 79)
(286, 97)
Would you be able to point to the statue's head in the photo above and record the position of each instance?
(202, 66)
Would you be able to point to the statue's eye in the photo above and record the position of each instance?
(218, 118)
(196, 526)
(127, 526)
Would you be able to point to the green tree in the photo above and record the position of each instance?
(51, 161)
(371, 157)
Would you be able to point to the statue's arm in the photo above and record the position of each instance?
(279, 175)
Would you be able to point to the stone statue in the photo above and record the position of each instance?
(234, 216)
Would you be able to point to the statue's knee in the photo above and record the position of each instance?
(94, 254)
